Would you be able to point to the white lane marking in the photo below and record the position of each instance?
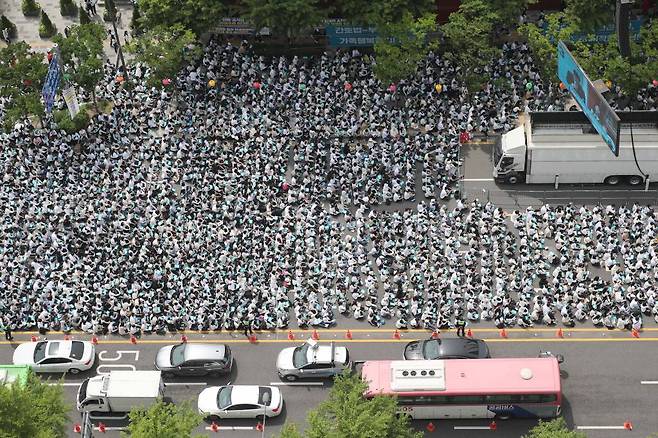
(108, 428)
(296, 383)
(101, 417)
(185, 384)
(472, 427)
(599, 427)
(119, 355)
(231, 428)
(649, 382)
(128, 366)
(65, 384)
(477, 179)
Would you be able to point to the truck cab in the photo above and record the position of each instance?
(509, 156)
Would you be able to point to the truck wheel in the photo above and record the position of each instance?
(612, 180)
(512, 179)
(635, 180)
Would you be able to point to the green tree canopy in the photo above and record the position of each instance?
(553, 429)
(401, 46)
(288, 18)
(82, 55)
(590, 14)
(382, 12)
(164, 50)
(163, 420)
(33, 410)
(197, 15)
(22, 73)
(346, 413)
(469, 37)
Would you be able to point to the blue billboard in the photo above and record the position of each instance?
(350, 36)
(596, 108)
(51, 83)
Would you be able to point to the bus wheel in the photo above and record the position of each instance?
(612, 180)
(635, 180)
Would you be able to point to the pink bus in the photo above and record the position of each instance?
(468, 388)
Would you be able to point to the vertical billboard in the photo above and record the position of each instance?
(596, 108)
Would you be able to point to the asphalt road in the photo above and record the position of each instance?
(602, 386)
(478, 183)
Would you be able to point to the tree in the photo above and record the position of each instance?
(346, 413)
(590, 14)
(110, 13)
(164, 50)
(163, 420)
(30, 8)
(197, 15)
(5, 23)
(83, 16)
(289, 430)
(469, 37)
(67, 8)
(25, 409)
(22, 73)
(509, 11)
(288, 18)
(82, 55)
(383, 12)
(401, 46)
(556, 428)
(135, 21)
(46, 28)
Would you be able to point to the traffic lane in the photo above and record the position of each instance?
(476, 160)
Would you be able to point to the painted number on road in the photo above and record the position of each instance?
(104, 369)
(120, 354)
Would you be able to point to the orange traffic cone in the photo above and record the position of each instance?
(559, 333)
(348, 334)
(291, 336)
(101, 427)
(628, 425)
(33, 338)
(430, 427)
(435, 334)
(315, 336)
(493, 426)
(396, 334)
(469, 333)
(253, 339)
(94, 340)
(635, 333)
(503, 333)
(133, 339)
(77, 428)
(214, 427)
(183, 339)
(67, 337)
(259, 426)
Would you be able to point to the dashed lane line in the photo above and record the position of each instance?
(296, 383)
(230, 428)
(600, 427)
(649, 382)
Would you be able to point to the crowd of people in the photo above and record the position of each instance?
(269, 189)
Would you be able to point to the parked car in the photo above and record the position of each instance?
(240, 401)
(449, 348)
(312, 360)
(194, 359)
(56, 356)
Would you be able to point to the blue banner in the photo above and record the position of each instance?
(51, 83)
(596, 108)
(350, 36)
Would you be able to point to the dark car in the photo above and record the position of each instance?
(194, 359)
(450, 348)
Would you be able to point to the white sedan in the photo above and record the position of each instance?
(56, 356)
(240, 401)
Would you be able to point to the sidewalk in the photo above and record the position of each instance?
(28, 27)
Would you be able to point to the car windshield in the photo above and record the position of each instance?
(497, 150)
(299, 356)
(177, 355)
(224, 397)
(77, 348)
(39, 352)
(264, 395)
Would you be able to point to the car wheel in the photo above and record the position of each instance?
(74, 371)
(503, 417)
(213, 418)
(290, 377)
(612, 180)
(635, 180)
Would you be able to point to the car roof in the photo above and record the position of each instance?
(458, 347)
(322, 354)
(244, 394)
(59, 348)
(204, 352)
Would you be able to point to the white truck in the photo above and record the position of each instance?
(562, 147)
(120, 391)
